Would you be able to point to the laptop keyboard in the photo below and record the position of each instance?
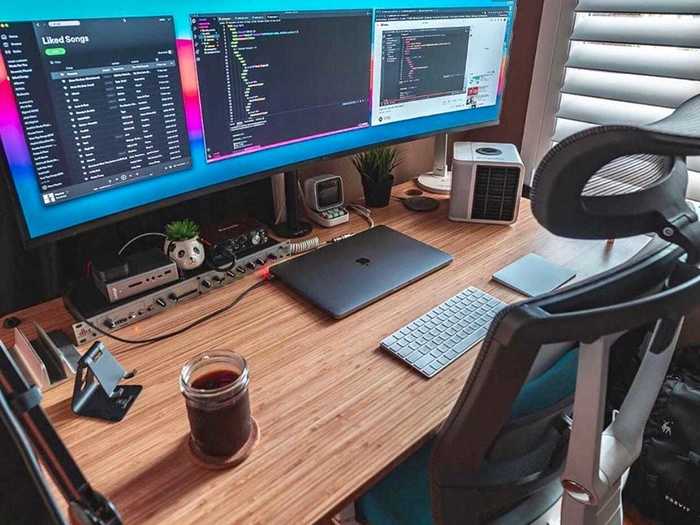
(438, 338)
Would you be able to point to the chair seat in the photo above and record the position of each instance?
(403, 497)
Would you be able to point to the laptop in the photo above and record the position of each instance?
(346, 276)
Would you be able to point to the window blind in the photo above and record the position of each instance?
(630, 62)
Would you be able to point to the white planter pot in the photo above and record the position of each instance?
(188, 254)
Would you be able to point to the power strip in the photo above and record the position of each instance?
(114, 317)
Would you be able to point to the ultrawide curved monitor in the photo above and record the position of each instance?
(107, 109)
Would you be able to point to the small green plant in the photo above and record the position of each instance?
(377, 164)
(182, 230)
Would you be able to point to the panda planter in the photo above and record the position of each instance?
(187, 254)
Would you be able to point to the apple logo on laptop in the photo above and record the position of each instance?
(364, 261)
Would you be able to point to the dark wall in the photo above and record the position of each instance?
(518, 79)
(32, 276)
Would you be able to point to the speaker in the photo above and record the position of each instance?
(487, 181)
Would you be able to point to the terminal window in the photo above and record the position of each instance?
(432, 61)
(269, 79)
(100, 101)
(423, 63)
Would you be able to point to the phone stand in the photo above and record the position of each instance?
(96, 392)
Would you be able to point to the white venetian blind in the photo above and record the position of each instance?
(630, 61)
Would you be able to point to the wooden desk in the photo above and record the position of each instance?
(336, 413)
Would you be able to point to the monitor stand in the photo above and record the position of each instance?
(440, 179)
(292, 227)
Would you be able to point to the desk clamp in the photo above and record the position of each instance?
(96, 392)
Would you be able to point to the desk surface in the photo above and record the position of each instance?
(336, 412)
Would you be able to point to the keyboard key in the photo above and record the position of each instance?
(431, 369)
(423, 361)
(404, 352)
(414, 356)
(451, 354)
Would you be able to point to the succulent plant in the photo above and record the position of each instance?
(182, 230)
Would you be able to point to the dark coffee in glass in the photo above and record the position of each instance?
(215, 386)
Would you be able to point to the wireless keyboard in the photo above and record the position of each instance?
(439, 337)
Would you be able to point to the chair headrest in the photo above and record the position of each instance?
(617, 181)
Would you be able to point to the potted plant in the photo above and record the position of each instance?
(182, 244)
(376, 167)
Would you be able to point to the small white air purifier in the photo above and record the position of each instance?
(487, 181)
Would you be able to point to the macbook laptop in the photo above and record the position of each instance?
(344, 277)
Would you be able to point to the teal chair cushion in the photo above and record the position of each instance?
(403, 497)
(556, 384)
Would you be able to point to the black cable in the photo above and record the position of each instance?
(179, 331)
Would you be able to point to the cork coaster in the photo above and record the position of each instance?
(220, 463)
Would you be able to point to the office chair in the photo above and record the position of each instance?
(509, 452)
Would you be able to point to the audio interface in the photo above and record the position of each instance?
(86, 302)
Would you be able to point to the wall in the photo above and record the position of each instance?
(416, 158)
(519, 78)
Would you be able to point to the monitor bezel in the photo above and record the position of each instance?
(32, 242)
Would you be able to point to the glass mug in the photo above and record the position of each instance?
(215, 386)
